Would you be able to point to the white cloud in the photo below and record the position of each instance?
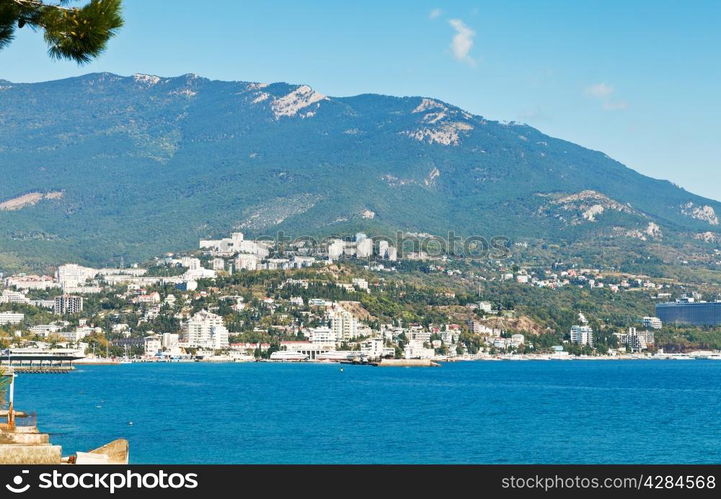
(599, 90)
(604, 92)
(435, 13)
(462, 41)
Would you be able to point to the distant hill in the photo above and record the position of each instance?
(102, 166)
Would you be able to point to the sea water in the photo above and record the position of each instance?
(465, 412)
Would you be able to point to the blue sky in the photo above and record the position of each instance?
(639, 80)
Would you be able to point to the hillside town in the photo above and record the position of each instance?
(235, 299)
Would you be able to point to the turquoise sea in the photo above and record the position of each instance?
(468, 412)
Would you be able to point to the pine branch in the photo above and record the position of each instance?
(36, 4)
(76, 33)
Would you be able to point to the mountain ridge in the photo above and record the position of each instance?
(187, 157)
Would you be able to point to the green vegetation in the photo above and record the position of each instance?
(154, 164)
(4, 384)
(75, 33)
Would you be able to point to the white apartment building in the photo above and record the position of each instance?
(501, 343)
(383, 248)
(195, 269)
(74, 276)
(11, 318)
(415, 349)
(514, 341)
(318, 302)
(652, 323)
(200, 273)
(27, 282)
(224, 245)
(386, 251)
(450, 336)
(79, 333)
(336, 249)
(115, 279)
(349, 248)
(343, 324)
(152, 345)
(322, 336)
(582, 335)
(637, 341)
(236, 243)
(170, 343)
(127, 272)
(67, 304)
(391, 332)
(246, 262)
(392, 254)
(206, 330)
(417, 333)
(360, 283)
(363, 330)
(312, 350)
(373, 348)
(13, 297)
(190, 263)
(277, 264)
(364, 248)
(121, 328)
(148, 299)
(300, 262)
(45, 330)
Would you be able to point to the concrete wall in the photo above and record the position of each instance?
(24, 438)
(29, 454)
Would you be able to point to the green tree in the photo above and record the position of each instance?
(4, 384)
(75, 33)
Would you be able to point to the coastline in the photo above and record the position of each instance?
(422, 362)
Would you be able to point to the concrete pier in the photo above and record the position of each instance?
(26, 445)
(40, 369)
